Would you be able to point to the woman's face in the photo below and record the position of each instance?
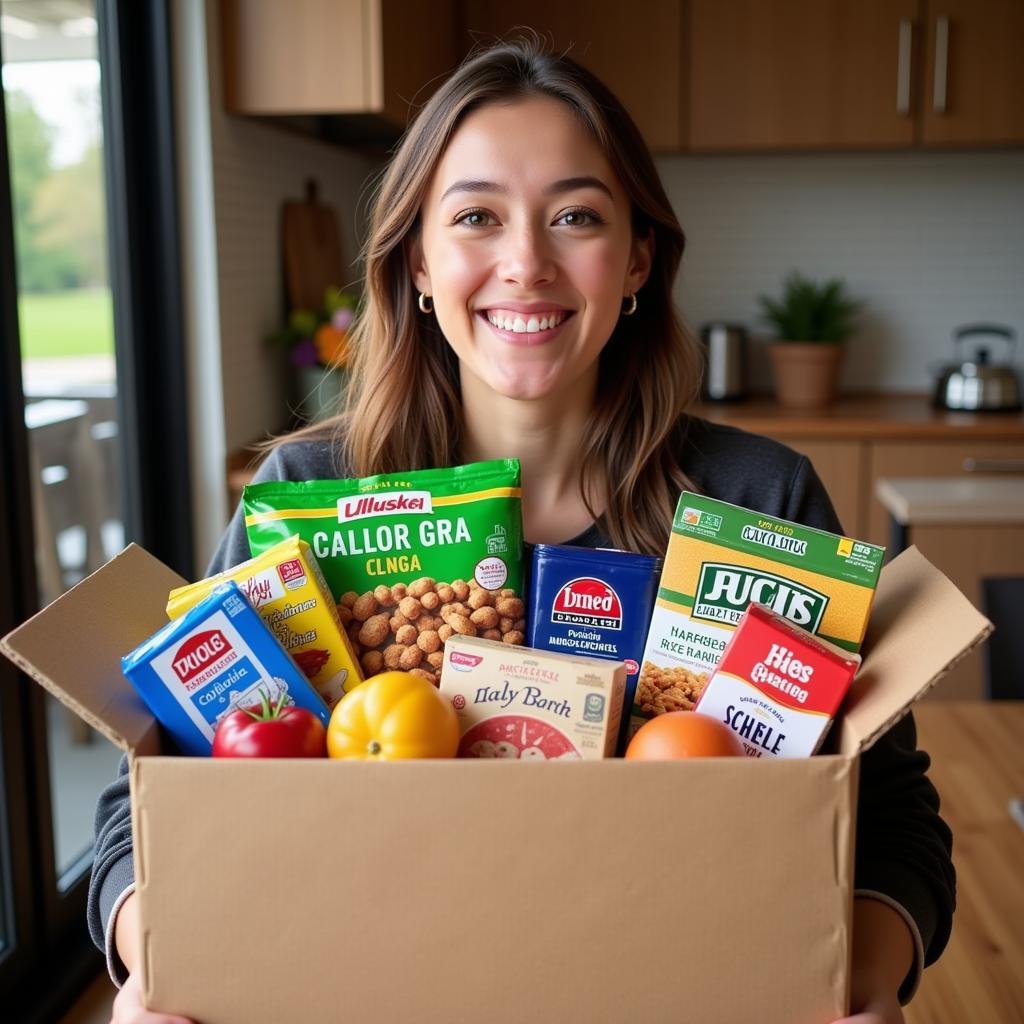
(526, 248)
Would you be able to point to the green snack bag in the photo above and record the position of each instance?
(412, 558)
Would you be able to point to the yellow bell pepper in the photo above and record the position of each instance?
(393, 716)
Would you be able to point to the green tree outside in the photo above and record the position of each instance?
(60, 240)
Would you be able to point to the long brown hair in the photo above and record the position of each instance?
(405, 410)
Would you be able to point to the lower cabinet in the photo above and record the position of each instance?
(966, 554)
(842, 467)
(933, 458)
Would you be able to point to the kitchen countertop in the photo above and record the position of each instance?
(852, 418)
(971, 500)
(866, 418)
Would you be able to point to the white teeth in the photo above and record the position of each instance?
(525, 325)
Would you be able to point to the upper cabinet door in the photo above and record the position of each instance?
(635, 49)
(335, 56)
(974, 73)
(802, 74)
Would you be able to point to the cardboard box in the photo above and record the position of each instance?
(438, 891)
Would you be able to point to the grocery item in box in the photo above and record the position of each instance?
(402, 553)
(514, 702)
(285, 585)
(722, 557)
(594, 602)
(217, 656)
(777, 686)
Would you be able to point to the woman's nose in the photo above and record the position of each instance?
(526, 258)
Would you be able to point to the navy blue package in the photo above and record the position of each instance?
(593, 601)
(217, 656)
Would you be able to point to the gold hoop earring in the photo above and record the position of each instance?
(631, 308)
(426, 306)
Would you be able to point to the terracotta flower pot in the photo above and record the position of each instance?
(806, 373)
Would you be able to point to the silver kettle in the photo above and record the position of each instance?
(977, 384)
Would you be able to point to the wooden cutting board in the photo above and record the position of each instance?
(312, 250)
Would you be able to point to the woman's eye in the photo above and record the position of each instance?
(578, 217)
(473, 218)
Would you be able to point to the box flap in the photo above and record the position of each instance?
(73, 647)
(921, 626)
(440, 891)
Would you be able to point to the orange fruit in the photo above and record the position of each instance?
(678, 734)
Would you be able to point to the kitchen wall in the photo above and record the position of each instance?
(928, 241)
(234, 175)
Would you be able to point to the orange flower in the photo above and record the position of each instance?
(331, 345)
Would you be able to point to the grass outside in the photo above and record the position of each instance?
(66, 324)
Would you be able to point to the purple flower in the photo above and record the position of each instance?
(305, 353)
(342, 319)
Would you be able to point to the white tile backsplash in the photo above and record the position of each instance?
(928, 241)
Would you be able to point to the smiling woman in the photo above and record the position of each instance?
(519, 272)
(525, 209)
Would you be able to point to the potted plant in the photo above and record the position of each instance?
(318, 351)
(811, 321)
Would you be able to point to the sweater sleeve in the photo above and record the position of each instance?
(903, 847)
(113, 872)
(233, 548)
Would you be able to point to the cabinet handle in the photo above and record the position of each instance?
(903, 66)
(941, 60)
(972, 465)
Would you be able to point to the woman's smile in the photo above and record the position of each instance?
(525, 328)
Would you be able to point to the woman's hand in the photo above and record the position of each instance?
(128, 1008)
(883, 953)
(884, 1009)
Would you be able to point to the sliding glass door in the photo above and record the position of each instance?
(92, 432)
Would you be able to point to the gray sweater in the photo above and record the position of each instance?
(903, 847)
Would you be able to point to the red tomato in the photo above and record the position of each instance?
(270, 732)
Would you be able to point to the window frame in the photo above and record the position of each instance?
(52, 958)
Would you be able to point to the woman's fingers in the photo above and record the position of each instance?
(129, 1009)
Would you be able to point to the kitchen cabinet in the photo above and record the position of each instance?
(973, 73)
(971, 529)
(635, 50)
(350, 57)
(842, 466)
(947, 458)
(828, 74)
(794, 74)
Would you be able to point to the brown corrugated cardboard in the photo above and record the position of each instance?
(697, 891)
(450, 891)
(73, 648)
(921, 626)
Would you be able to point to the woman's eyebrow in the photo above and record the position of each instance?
(581, 181)
(473, 185)
(555, 188)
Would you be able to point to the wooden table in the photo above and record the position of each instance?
(977, 767)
